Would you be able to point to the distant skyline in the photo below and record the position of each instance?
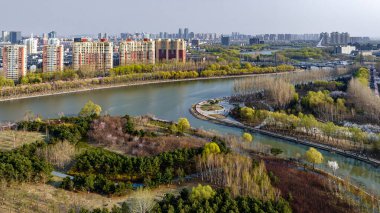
(71, 17)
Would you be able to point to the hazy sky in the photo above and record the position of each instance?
(67, 17)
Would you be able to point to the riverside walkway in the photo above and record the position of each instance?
(197, 111)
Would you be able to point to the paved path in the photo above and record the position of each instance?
(196, 111)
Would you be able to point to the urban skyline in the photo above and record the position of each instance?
(249, 17)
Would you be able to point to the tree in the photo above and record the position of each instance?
(183, 125)
(211, 148)
(90, 109)
(314, 156)
(247, 137)
(202, 192)
(333, 165)
(173, 129)
(142, 201)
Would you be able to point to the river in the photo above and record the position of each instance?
(170, 101)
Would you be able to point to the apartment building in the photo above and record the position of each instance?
(171, 50)
(92, 55)
(14, 61)
(52, 56)
(31, 45)
(137, 52)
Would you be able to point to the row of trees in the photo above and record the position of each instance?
(304, 54)
(70, 129)
(97, 184)
(154, 170)
(343, 137)
(60, 85)
(206, 199)
(246, 69)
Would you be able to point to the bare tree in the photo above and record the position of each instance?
(59, 154)
(142, 201)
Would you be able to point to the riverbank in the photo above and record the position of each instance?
(137, 83)
(197, 112)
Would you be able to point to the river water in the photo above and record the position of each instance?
(170, 101)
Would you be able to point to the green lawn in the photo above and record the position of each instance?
(10, 139)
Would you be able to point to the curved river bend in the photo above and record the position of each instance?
(170, 101)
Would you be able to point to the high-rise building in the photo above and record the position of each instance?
(5, 36)
(180, 33)
(92, 55)
(253, 41)
(44, 39)
(52, 56)
(335, 38)
(281, 37)
(31, 45)
(325, 38)
(137, 52)
(15, 37)
(272, 37)
(225, 40)
(288, 37)
(14, 61)
(168, 50)
(52, 34)
(186, 33)
(344, 38)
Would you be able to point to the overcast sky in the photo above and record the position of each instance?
(68, 17)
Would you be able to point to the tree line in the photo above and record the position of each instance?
(120, 170)
(219, 200)
(348, 138)
(23, 165)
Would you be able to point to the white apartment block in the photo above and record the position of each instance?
(14, 61)
(52, 56)
(92, 55)
(137, 52)
(31, 45)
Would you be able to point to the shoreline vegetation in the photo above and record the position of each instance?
(201, 116)
(84, 85)
(21, 91)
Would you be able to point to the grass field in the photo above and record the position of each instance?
(45, 198)
(10, 139)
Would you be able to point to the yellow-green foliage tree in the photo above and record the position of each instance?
(247, 137)
(90, 109)
(362, 75)
(183, 125)
(314, 156)
(211, 148)
(202, 192)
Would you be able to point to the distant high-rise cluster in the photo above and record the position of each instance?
(335, 38)
(101, 52)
